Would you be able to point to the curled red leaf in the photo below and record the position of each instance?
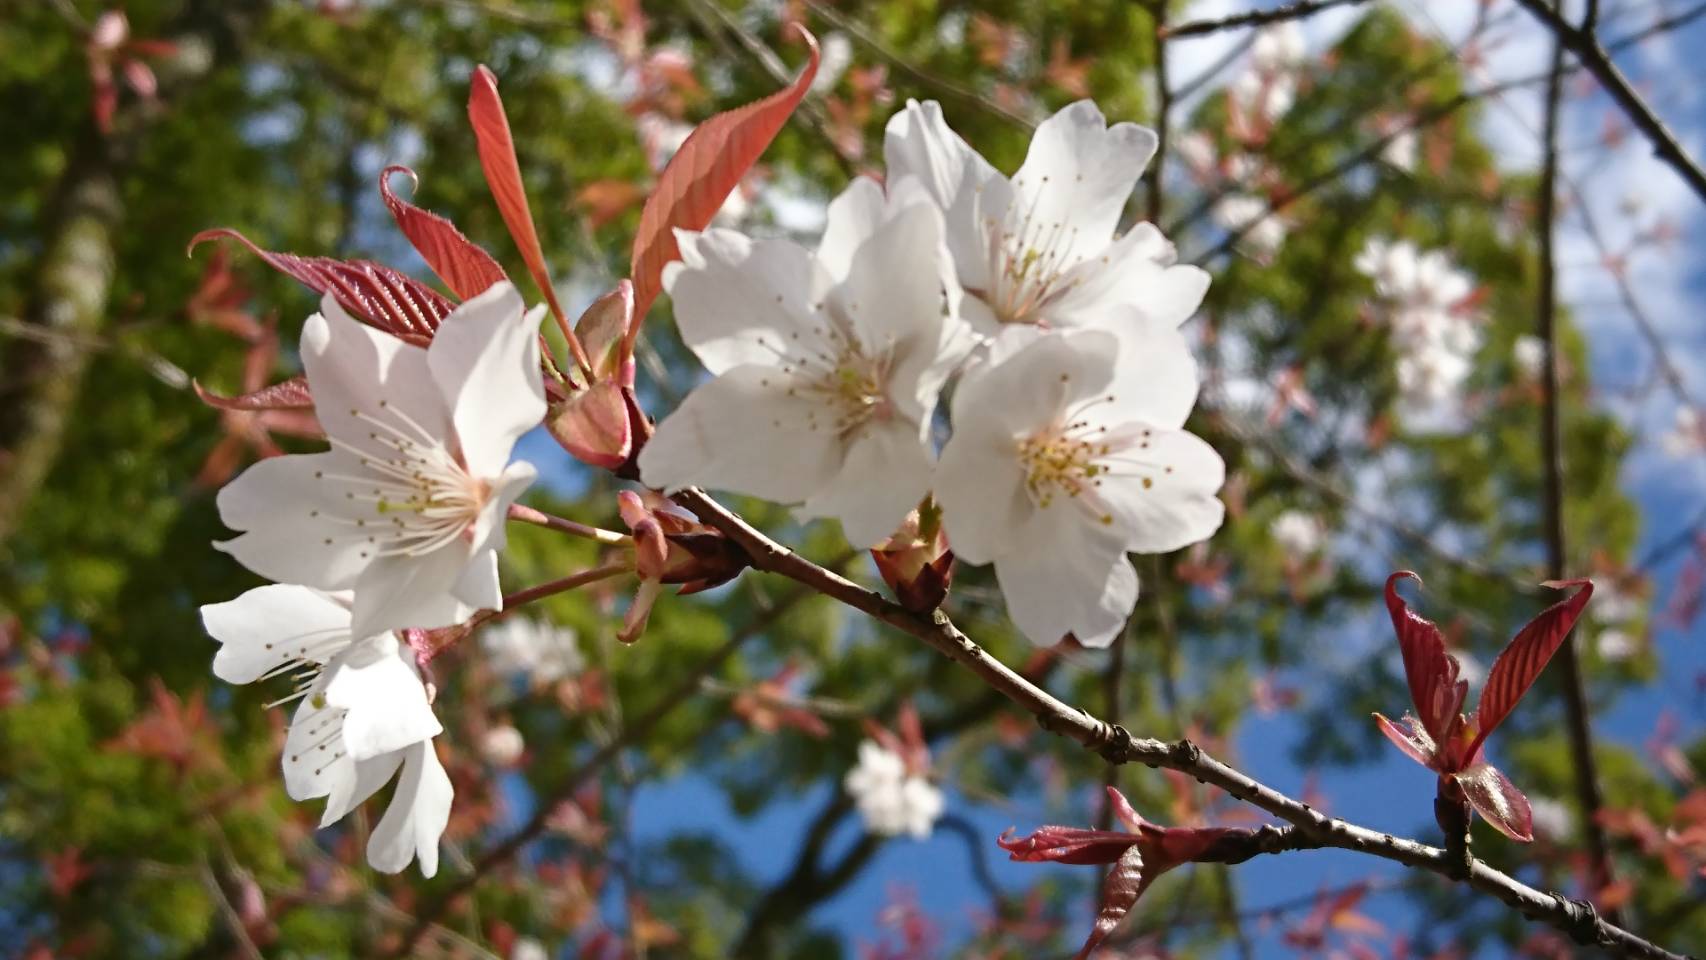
(290, 394)
(1431, 672)
(463, 266)
(1125, 883)
(371, 292)
(703, 172)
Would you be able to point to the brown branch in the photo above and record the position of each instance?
(1586, 48)
(1256, 18)
(1578, 723)
(939, 84)
(714, 18)
(1113, 743)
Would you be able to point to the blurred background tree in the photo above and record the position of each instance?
(682, 796)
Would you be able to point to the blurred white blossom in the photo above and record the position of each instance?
(1299, 533)
(891, 799)
(540, 651)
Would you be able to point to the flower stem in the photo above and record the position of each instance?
(540, 519)
(549, 588)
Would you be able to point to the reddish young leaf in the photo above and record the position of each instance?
(603, 328)
(290, 394)
(702, 174)
(376, 294)
(1124, 884)
(463, 266)
(1432, 673)
(1410, 738)
(1521, 662)
(1498, 801)
(503, 175)
(1067, 845)
(593, 425)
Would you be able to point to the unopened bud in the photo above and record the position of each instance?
(916, 562)
(592, 424)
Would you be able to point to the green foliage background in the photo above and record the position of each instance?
(275, 119)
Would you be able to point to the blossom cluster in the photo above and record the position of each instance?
(1057, 337)
(1429, 307)
(392, 532)
(1257, 99)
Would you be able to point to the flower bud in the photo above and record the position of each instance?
(916, 562)
(593, 425)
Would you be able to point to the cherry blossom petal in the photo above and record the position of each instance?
(748, 431)
(737, 300)
(478, 586)
(289, 515)
(386, 703)
(1156, 381)
(1078, 175)
(1066, 578)
(269, 626)
(853, 216)
(891, 299)
(400, 591)
(918, 143)
(485, 360)
(981, 488)
(417, 816)
(1127, 274)
(357, 372)
(487, 533)
(1161, 492)
(885, 473)
(356, 781)
(316, 764)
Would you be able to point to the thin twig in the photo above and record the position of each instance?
(1578, 723)
(1113, 743)
(1591, 55)
(941, 85)
(1257, 18)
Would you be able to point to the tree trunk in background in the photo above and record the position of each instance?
(41, 375)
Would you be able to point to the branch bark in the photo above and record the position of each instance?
(1588, 796)
(1257, 18)
(1584, 45)
(1113, 743)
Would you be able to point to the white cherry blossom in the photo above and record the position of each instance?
(826, 366)
(363, 713)
(892, 800)
(1426, 300)
(1040, 248)
(1529, 352)
(1067, 453)
(1261, 231)
(407, 508)
(502, 745)
(526, 646)
(1298, 533)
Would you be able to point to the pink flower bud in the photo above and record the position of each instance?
(593, 425)
(916, 562)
